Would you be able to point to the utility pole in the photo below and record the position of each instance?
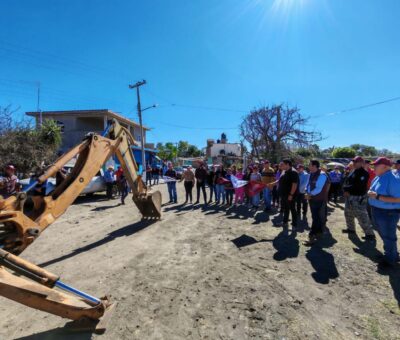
(139, 108)
(38, 104)
(278, 130)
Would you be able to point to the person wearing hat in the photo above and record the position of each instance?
(9, 184)
(355, 190)
(109, 179)
(336, 181)
(384, 198)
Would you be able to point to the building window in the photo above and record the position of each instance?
(61, 126)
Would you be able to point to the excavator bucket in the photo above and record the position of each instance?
(149, 205)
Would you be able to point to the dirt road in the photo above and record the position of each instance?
(209, 273)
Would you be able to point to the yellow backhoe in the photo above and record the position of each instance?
(19, 228)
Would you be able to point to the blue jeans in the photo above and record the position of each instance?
(255, 200)
(172, 191)
(267, 198)
(386, 221)
(220, 191)
(155, 179)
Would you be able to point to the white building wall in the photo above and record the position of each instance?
(229, 148)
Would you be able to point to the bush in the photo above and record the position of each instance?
(344, 152)
(26, 147)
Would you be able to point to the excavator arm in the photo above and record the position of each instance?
(19, 229)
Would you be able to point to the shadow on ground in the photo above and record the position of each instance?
(59, 334)
(322, 261)
(124, 231)
(286, 245)
(368, 249)
(245, 241)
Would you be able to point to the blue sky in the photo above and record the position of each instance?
(321, 55)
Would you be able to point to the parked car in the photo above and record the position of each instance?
(97, 184)
(179, 172)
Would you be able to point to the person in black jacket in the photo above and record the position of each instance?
(289, 189)
(201, 179)
(355, 190)
(211, 182)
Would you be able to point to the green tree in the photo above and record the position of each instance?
(167, 151)
(303, 152)
(364, 150)
(345, 152)
(26, 147)
(193, 151)
(183, 148)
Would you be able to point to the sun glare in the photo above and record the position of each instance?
(288, 5)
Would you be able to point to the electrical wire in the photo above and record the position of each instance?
(357, 107)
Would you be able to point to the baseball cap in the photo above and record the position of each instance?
(300, 166)
(383, 160)
(10, 167)
(398, 161)
(358, 159)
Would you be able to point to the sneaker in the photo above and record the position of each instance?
(348, 231)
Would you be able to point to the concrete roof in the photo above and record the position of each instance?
(87, 113)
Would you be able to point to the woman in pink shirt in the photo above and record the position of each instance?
(239, 192)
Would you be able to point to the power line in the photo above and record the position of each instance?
(361, 107)
(197, 128)
(357, 108)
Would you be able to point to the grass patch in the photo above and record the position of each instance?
(392, 306)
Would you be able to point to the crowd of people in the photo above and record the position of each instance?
(371, 196)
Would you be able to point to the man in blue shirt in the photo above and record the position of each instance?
(336, 182)
(301, 199)
(317, 193)
(384, 198)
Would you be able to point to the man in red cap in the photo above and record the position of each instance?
(9, 183)
(384, 198)
(355, 190)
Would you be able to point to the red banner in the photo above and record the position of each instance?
(222, 180)
(254, 188)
